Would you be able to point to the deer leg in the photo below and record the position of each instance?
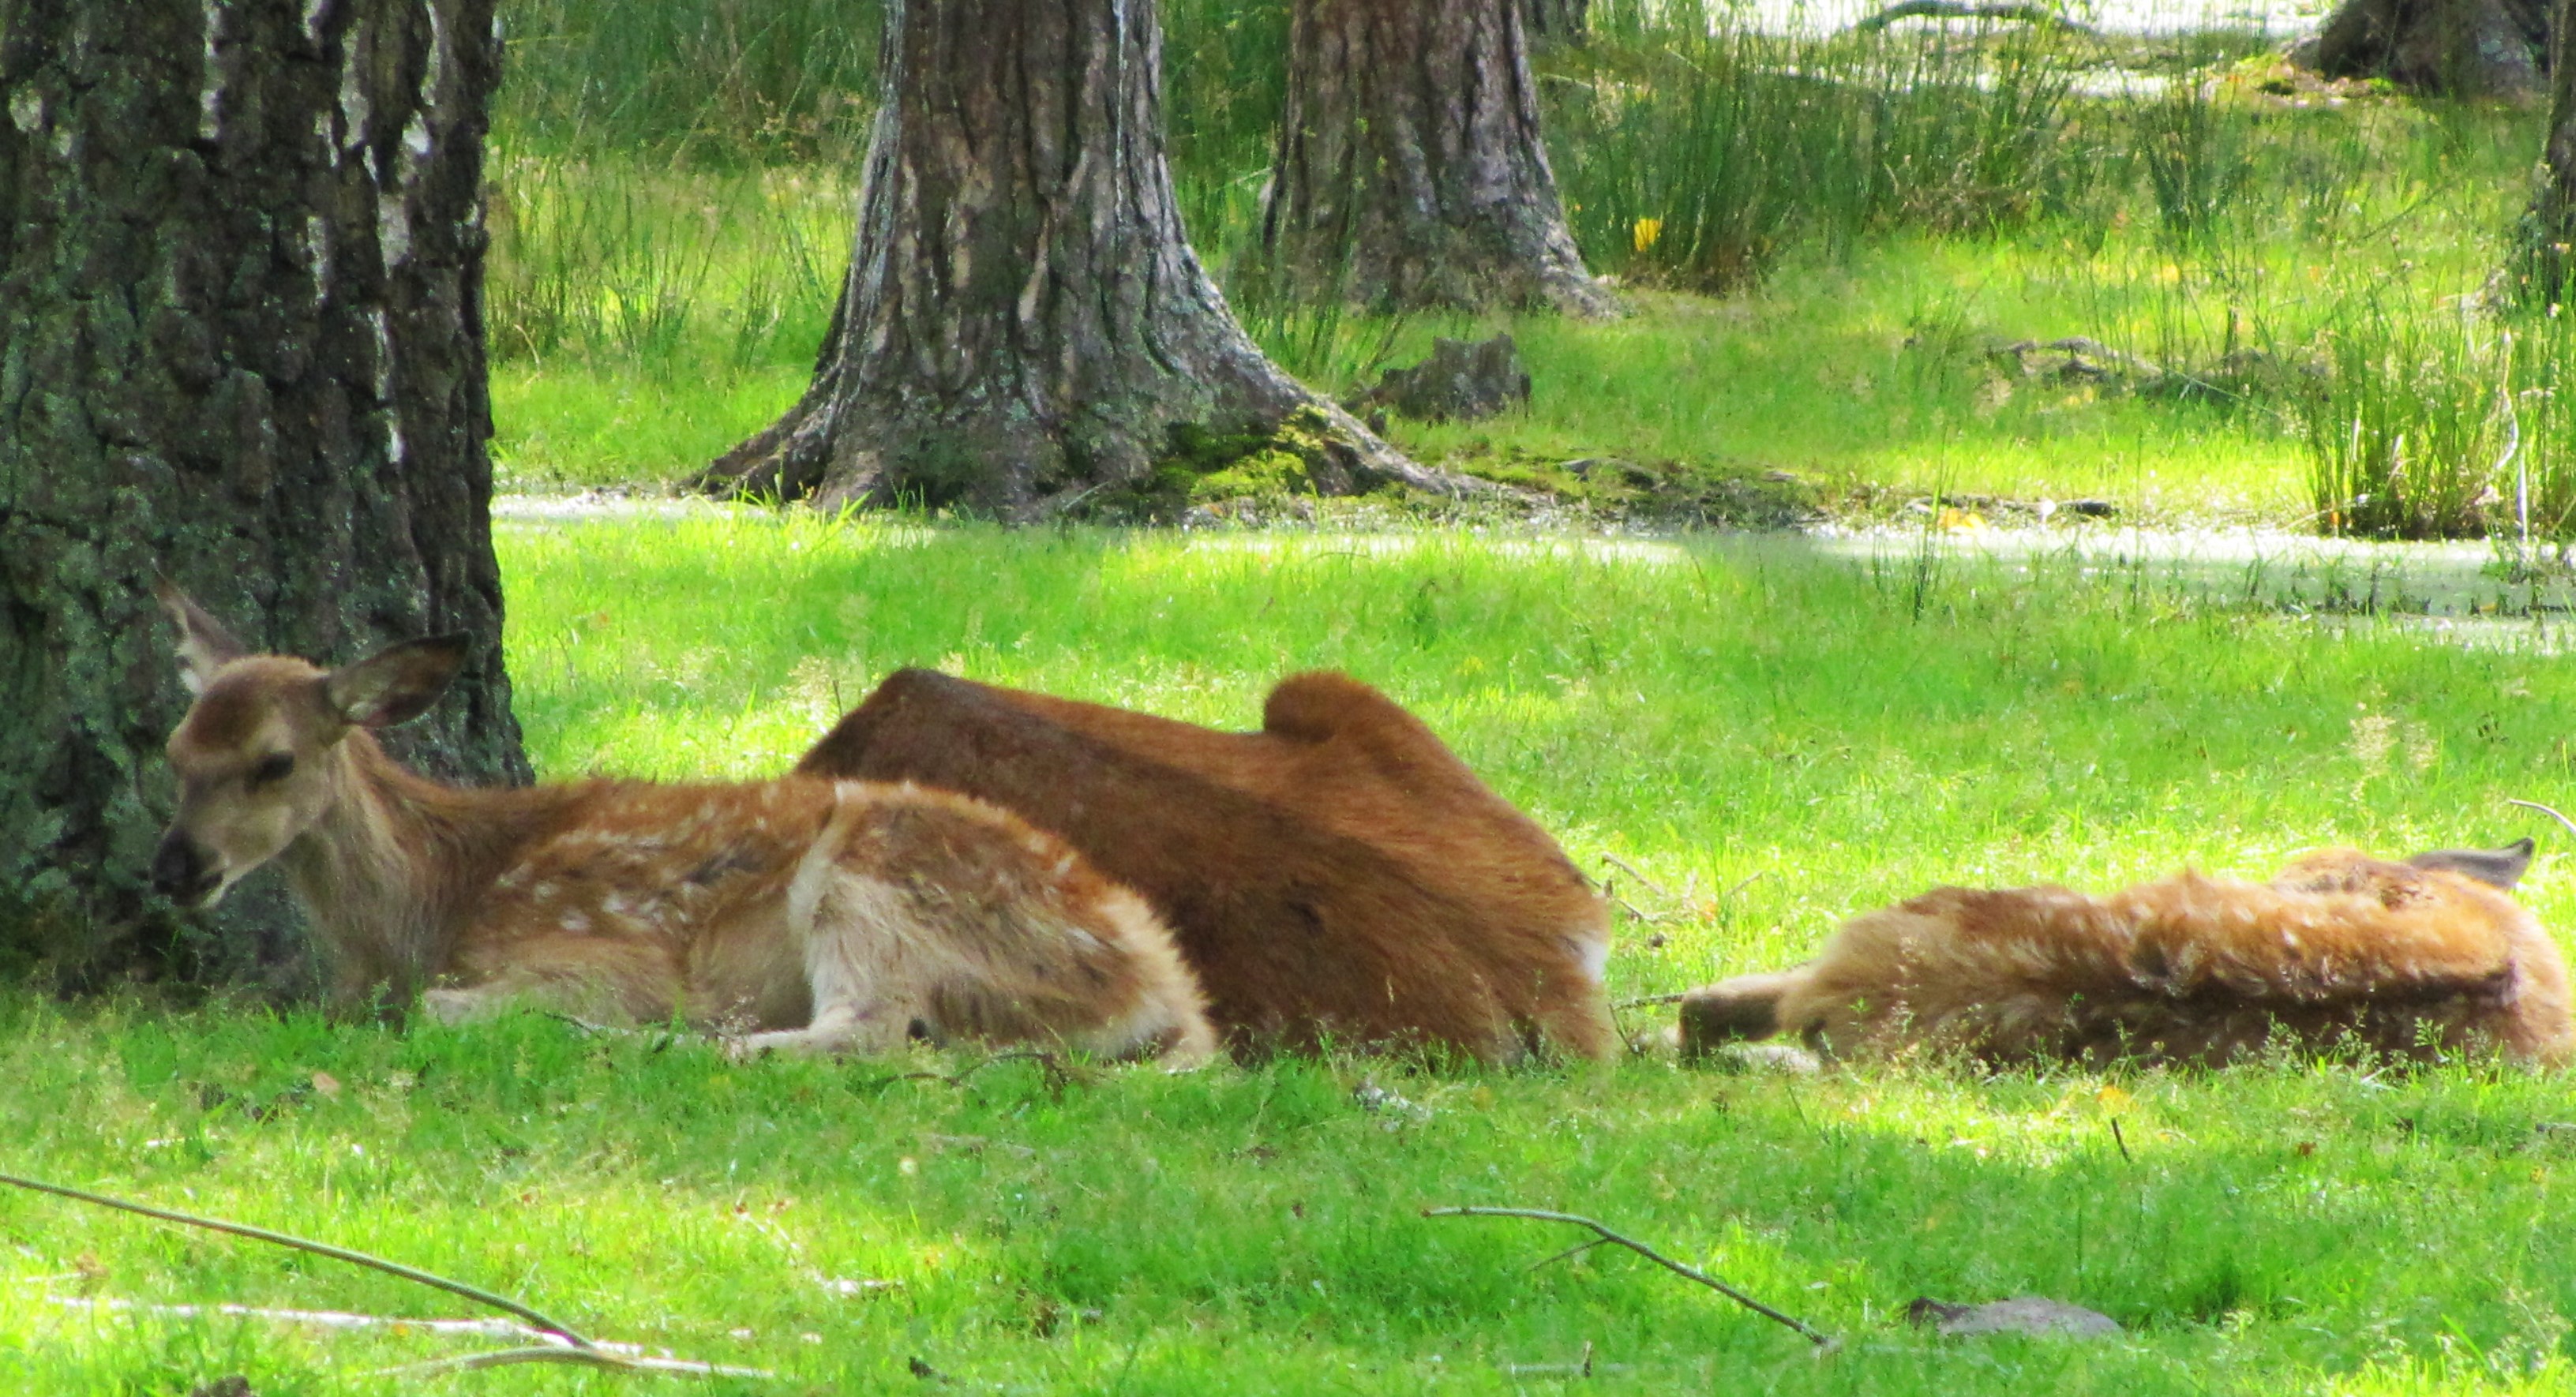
(856, 930)
(586, 977)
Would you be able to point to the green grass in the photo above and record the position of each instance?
(1776, 735)
(1824, 239)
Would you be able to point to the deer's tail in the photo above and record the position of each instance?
(1729, 1011)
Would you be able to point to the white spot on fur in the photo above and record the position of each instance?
(1591, 953)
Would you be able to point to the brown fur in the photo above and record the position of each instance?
(1338, 875)
(800, 913)
(2407, 959)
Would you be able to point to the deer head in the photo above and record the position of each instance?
(259, 751)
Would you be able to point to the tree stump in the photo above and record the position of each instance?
(241, 347)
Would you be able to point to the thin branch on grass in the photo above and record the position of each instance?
(2545, 810)
(544, 1323)
(1823, 1342)
(1632, 871)
(1577, 1249)
(2121, 1140)
(1961, 9)
(557, 1342)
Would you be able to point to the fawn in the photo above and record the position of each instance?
(799, 914)
(2409, 959)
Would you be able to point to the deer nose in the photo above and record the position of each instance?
(179, 872)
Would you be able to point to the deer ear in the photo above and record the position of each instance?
(204, 645)
(2500, 868)
(396, 684)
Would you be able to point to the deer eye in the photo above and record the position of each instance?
(274, 767)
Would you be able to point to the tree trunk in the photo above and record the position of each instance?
(241, 347)
(1556, 19)
(1023, 323)
(1410, 171)
(2542, 255)
(2457, 48)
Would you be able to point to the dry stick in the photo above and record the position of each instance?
(632, 1354)
(2545, 810)
(1631, 870)
(1820, 1339)
(358, 1258)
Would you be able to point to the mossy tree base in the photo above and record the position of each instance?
(1023, 323)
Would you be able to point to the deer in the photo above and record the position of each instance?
(2410, 960)
(1337, 878)
(798, 914)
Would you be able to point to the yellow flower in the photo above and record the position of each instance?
(1648, 229)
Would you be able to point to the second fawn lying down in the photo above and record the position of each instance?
(799, 913)
(2409, 959)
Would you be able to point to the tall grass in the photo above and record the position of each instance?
(2434, 428)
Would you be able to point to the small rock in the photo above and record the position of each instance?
(1461, 381)
(2091, 509)
(2023, 1314)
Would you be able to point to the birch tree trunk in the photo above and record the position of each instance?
(241, 347)
(1024, 322)
(1410, 171)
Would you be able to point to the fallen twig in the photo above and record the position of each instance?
(1823, 1342)
(1632, 871)
(504, 1303)
(1958, 9)
(2545, 810)
(2120, 1140)
(556, 1342)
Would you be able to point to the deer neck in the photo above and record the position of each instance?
(394, 867)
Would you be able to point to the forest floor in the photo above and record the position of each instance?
(1747, 738)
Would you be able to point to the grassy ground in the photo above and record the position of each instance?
(1775, 736)
(1824, 244)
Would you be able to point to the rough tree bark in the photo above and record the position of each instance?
(240, 346)
(1556, 19)
(2458, 48)
(1410, 170)
(2542, 257)
(1024, 322)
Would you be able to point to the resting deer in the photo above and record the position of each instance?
(804, 914)
(2410, 959)
(1337, 876)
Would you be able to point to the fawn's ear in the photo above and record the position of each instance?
(396, 684)
(2501, 868)
(204, 645)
